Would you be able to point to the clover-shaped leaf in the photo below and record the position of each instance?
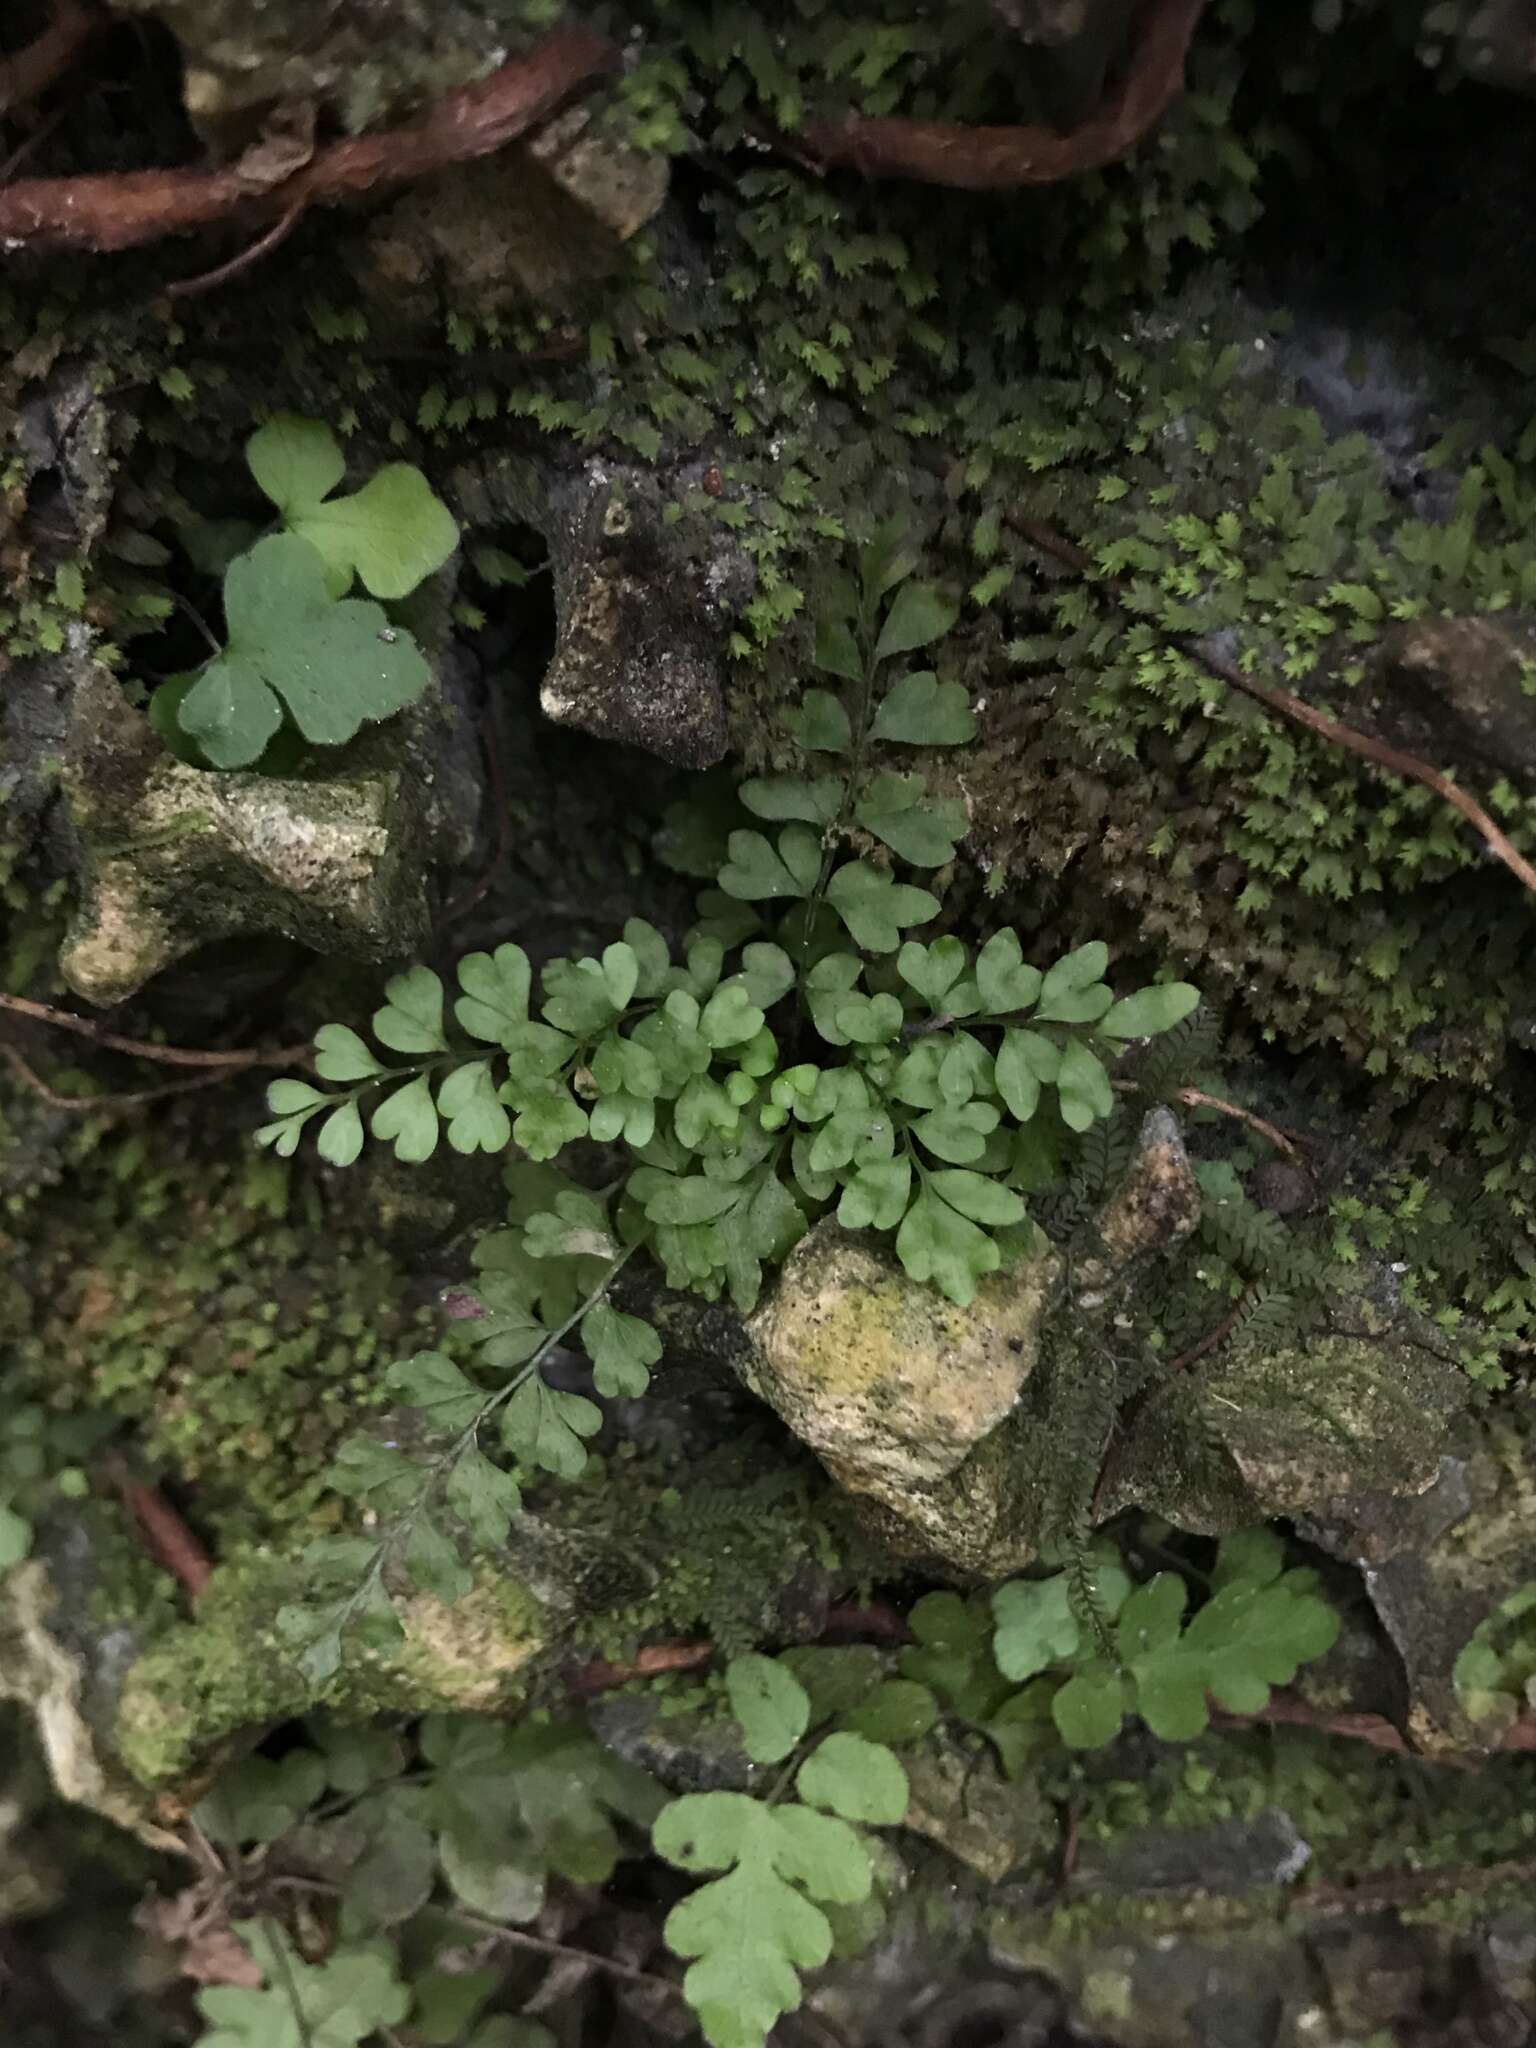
(874, 907)
(494, 1005)
(756, 870)
(752, 1931)
(770, 1703)
(543, 1426)
(392, 533)
(855, 1779)
(331, 666)
(819, 721)
(920, 711)
(1150, 1010)
(622, 1349)
(937, 1243)
(918, 827)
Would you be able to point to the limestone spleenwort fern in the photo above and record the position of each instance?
(305, 662)
(803, 1055)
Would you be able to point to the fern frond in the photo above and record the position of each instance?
(1180, 1058)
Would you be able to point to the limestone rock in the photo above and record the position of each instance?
(528, 224)
(1155, 1204)
(1281, 1424)
(205, 1684)
(640, 626)
(364, 64)
(172, 857)
(48, 1678)
(894, 1387)
(1437, 1566)
(1458, 691)
(1229, 1857)
(991, 1823)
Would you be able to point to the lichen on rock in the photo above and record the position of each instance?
(173, 857)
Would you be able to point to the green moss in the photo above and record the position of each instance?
(219, 1307)
(206, 1684)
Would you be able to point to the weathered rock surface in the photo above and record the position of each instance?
(172, 857)
(890, 1384)
(640, 629)
(990, 1823)
(942, 1422)
(1462, 693)
(1437, 1566)
(1278, 1424)
(47, 1676)
(530, 224)
(361, 63)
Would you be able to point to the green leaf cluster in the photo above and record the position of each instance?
(1495, 1672)
(799, 1054)
(302, 657)
(481, 1427)
(751, 1930)
(803, 1053)
(1261, 1623)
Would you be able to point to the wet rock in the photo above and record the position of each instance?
(939, 1421)
(529, 224)
(1461, 693)
(689, 1752)
(1278, 1424)
(1283, 1187)
(1228, 1857)
(1436, 1567)
(640, 626)
(1155, 1204)
(172, 857)
(990, 1823)
(894, 1387)
(48, 1677)
(206, 1683)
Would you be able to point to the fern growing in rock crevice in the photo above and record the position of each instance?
(801, 1055)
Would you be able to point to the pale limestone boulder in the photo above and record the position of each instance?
(896, 1389)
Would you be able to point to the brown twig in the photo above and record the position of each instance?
(166, 1535)
(1288, 1711)
(1392, 759)
(877, 1620)
(977, 159)
(1212, 1338)
(100, 1105)
(125, 209)
(27, 74)
(1196, 1098)
(651, 1662)
(252, 253)
(144, 1049)
(543, 1944)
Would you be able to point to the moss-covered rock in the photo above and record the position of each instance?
(230, 1673)
(174, 857)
